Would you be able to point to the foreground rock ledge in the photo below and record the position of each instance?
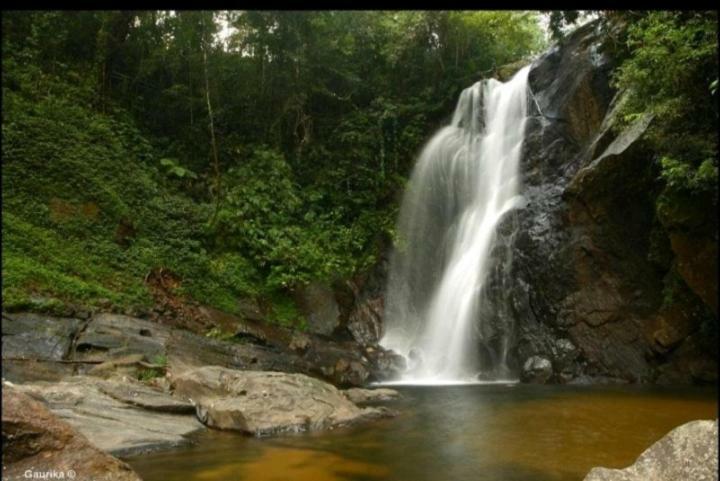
(687, 452)
(360, 396)
(120, 416)
(38, 442)
(268, 403)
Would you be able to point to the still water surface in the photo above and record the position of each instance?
(453, 433)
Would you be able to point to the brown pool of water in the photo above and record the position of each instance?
(479, 433)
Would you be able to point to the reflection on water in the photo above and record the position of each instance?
(479, 433)
(280, 464)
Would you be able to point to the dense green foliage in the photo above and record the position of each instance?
(670, 73)
(245, 164)
(668, 69)
(250, 153)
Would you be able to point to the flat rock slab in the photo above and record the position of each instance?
(146, 397)
(36, 336)
(44, 348)
(688, 452)
(32, 345)
(109, 336)
(27, 370)
(37, 441)
(359, 395)
(267, 403)
(186, 350)
(116, 422)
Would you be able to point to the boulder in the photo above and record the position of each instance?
(267, 403)
(365, 321)
(186, 350)
(387, 364)
(108, 336)
(37, 336)
(145, 397)
(38, 442)
(299, 342)
(537, 370)
(687, 452)
(32, 345)
(364, 311)
(120, 416)
(317, 303)
(359, 395)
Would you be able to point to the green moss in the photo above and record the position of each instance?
(147, 374)
(285, 312)
(160, 360)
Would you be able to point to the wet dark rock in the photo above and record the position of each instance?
(690, 360)
(108, 344)
(318, 305)
(364, 318)
(360, 396)
(365, 322)
(187, 350)
(33, 343)
(113, 335)
(697, 261)
(537, 370)
(386, 364)
(688, 452)
(582, 260)
(570, 83)
(343, 364)
(37, 336)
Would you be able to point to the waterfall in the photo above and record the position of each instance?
(465, 180)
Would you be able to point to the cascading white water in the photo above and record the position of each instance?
(466, 179)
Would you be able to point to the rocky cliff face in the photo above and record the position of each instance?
(588, 256)
(592, 282)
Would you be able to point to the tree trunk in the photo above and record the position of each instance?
(190, 91)
(114, 31)
(213, 142)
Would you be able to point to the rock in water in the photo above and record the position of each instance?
(688, 452)
(37, 442)
(537, 370)
(121, 417)
(264, 403)
(359, 395)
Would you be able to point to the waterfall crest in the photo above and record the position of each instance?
(465, 180)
